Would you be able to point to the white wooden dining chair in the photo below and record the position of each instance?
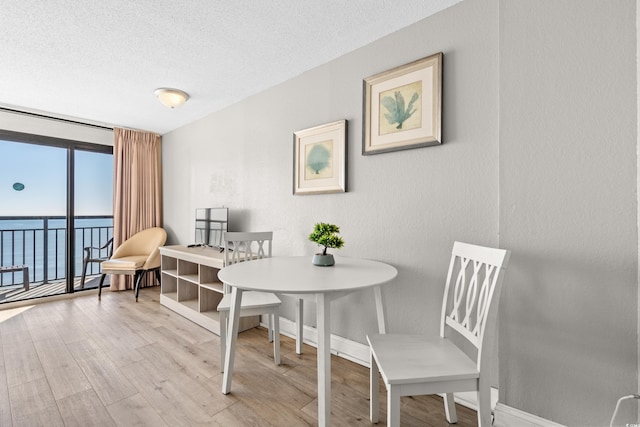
(413, 365)
(245, 247)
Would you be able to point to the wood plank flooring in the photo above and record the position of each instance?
(78, 362)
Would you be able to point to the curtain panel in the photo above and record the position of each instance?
(137, 194)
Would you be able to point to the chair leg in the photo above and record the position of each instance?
(484, 404)
(138, 279)
(276, 336)
(299, 325)
(84, 273)
(269, 328)
(450, 408)
(374, 390)
(393, 406)
(100, 286)
(25, 278)
(223, 337)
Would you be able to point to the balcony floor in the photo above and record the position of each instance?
(36, 290)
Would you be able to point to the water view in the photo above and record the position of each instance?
(40, 243)
(34, 189)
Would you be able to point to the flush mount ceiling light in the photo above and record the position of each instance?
(172, 98)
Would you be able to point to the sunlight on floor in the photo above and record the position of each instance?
(8, 314)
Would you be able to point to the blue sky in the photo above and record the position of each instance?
(42, 170)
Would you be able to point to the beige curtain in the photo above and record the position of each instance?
(137, 194)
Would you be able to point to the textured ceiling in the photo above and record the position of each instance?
(101, 60)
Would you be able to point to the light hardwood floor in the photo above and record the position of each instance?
(78, 362)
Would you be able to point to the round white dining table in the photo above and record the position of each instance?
(297, 275)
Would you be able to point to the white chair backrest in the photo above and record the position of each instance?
(472, 291)
(246, 245)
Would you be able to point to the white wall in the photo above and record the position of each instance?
(539, 157)
(638, 170)
(406, 207)
(568, 207)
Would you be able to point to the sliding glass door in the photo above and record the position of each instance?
(93, 209)
(56, 199)
(33, 187)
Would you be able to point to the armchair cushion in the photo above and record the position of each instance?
(127, 263)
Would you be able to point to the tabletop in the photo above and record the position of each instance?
(298, 275)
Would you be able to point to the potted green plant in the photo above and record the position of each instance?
(326, 235)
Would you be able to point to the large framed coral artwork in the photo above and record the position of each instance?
(319, 159)
(403, 107)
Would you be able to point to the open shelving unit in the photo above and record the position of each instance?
(191, 288)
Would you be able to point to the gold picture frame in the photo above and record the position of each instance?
(403, 107)
(320, 159)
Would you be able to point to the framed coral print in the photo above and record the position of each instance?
(319, 159)
(402, 107)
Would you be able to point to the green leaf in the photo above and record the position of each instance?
(326, 235)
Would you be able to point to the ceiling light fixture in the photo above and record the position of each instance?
(171, 98)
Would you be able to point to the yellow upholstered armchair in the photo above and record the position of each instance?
(137, 255)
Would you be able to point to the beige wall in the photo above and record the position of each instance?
(539, 157)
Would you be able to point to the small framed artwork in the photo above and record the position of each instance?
(402, 107)
(320, 159)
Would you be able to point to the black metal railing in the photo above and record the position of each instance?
(40, 243)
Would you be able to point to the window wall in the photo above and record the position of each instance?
(57, 199)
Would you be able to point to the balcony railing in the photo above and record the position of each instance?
(40, 243)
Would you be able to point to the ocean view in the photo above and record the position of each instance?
(34, 204)
(22, 241)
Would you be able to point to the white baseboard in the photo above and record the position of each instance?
(469, 399)
(508, 416)
(343, 347)
(359, 353)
